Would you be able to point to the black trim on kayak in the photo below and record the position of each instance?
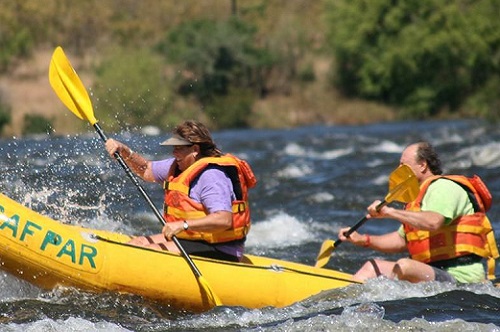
(273, 267)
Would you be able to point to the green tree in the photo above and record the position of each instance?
(422, 55)
(216, 59)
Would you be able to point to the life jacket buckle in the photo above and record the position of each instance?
(241, 207)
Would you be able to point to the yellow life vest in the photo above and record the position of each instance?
(179, 206)
(469, 234)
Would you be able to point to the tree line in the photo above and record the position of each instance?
(159, 61)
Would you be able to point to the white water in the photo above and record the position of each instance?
(312, 181)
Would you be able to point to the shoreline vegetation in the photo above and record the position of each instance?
(30, 94)
(253, 63)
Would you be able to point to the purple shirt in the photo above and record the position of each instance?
(213, 188)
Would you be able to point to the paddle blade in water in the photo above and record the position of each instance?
(68, 86)
(212, 297)
(324, 253)
(403, 185)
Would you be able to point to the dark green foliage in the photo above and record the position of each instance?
(17, 43)
(231, 110)
(36, 124)
(5, 117)
(422, 55)
(214, 54)
(215, 59)
(485, 103)
(306, 74)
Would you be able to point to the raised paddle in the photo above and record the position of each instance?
(403, 187)
(69, 88)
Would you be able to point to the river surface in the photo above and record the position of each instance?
(312, 181)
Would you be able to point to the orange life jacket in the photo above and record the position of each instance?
(469, 234)
(179, 206)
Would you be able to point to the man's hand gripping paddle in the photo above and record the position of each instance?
(403, 187)
(69, 88)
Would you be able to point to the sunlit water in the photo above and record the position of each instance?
(312, 181)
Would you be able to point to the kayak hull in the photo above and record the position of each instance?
(48, 254)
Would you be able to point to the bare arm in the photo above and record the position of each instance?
(139, 165)
(389, 243)
(424, 220)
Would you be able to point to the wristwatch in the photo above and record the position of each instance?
(185, 225)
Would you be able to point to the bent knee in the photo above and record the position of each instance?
(371, 269)
(413, 271)
(404, 263)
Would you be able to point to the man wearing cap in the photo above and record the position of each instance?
(206, 194)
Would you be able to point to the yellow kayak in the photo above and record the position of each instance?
(48, 254)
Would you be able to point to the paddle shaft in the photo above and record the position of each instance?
(359, 224)
(148, 199)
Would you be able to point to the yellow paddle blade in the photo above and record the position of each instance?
(68, 86)
(212, 297)
(403, 185)
(324, 253)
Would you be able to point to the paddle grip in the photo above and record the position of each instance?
(148, 199)
(359, 224)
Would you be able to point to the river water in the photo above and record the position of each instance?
(312, 180)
